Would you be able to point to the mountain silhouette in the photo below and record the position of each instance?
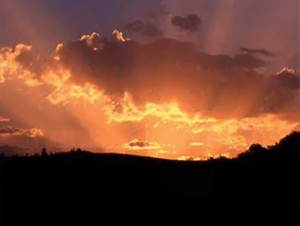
(67, 185)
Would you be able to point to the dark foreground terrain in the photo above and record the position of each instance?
(260, 187)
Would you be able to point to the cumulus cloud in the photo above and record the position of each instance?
(92, 39)
(119, 36)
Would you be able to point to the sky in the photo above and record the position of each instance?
(236, 50)
(228, 24)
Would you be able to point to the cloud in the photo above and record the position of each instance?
(189, 23)
(142, 28)
(197, 144)
(188, 158)
(288, 79)
(257, 51)
(168, 65)
(6, 131)
(130, 79)
(161, 152)
(2, 119)
(119, 36)
(142, 145)
(92, 39)
(294, 63)
(118, 59)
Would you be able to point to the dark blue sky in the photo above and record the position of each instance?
(53, 21)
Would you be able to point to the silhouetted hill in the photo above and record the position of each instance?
(7, 150)
(65, 184)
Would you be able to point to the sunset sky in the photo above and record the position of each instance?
(196, 78)
(229, 24)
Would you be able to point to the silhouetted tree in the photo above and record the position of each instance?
(78, 150)
(290, 146)
(256, 149)
(287, 148)
(44, 152)
(222, 158)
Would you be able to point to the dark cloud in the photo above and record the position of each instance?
(288, 78)
(294, 63)
(34, 62)
(190, 23)
(172, 67)
(257, 51)
(135, 27)
(225, 63)
(248, 61)
(143, 28)
(139, 144)
(120, 58)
